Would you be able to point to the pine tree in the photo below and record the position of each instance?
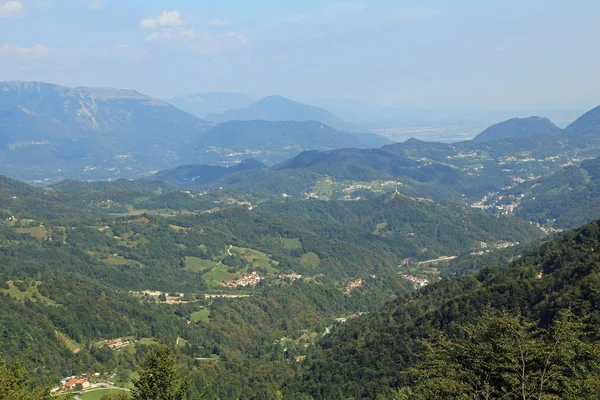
(159, 379)
(14, 386)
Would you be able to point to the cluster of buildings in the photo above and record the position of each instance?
(357, 284)
(117, 343)
(252, 279)
(416, 280)
(421, 199)
(292, 277)
(479, 253)
(549, 230)
(505, 245)
(72, 382)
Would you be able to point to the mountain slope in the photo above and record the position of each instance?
(75, 256)
(196, 175)
(202, 104)
(52, 131)
(277, 108)
(566, 199)
(274, 141)
(585, 130)
(587, 123)
(462, 171)
(369, 356)
(518, 127)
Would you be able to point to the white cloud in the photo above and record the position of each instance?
(241, 39)
(168, 29)
(35, 51)
(188, 33)
(123, 46)
(219, 22)
(12, 9)
(166, 18)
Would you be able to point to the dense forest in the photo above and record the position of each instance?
(80, 259)
(399, 345)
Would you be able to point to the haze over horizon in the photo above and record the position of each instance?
(404, 54)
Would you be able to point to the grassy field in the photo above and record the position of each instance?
(31, 293)
(118, 260)
(148, 341)
(196, 264)
(179, 228)
(38, 232)
(217, 272)
(217, 275)
(323, 188)
(290, 244)
(97, 394)
(201, 316)
(310, 260)
(258, 259)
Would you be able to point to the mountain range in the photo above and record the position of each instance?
(50, 132)
(277, 108)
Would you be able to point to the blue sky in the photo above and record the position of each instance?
(411, 54)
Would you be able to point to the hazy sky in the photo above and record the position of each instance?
(450, 53)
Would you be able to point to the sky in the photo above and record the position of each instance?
(504, 54)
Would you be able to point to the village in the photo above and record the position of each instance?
(83, 383)
(253, 279)
(416, 280)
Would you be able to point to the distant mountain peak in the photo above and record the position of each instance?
(278, 108)
(518, 127)
(276, 97)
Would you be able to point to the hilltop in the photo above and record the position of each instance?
(277, 108)
(289, 137)
(518, 127)
(197, 175)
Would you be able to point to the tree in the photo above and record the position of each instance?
(14, 386)
(506, 357)
(159, 379)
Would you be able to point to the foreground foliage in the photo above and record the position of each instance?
(506, 357)
(14, 385)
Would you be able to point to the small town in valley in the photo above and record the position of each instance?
(252, 279)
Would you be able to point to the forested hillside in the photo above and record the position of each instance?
(567, 198)
(373, 355)
(142, 262)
